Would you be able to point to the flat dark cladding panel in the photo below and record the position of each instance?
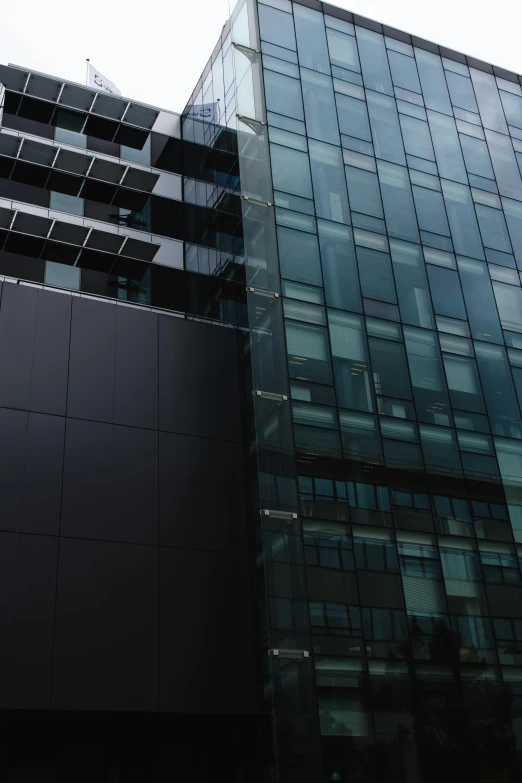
(198, 380)
(91, 367)
(201, 612)
(93, 495)
(106, 642)
(206, 501)
(136, 368)
(27, 587)
(110, 483)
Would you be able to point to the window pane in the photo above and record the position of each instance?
(398, 202)
(427, 376)
(66, 203)
(513, 213)
(390, 371)
(331, 199)
(376, 72)
(513, 108)
(311, 39)
(343, 50)
(434, 89)
(480, 302)
(319, 103)
(431, 213)
(499, 393)
(353, 117)
(341, 282)
(446, 292)
(509, 303)
(461, 91)
(440, 450)
(62, 275)
(283, 95)
(386, 132)
(417, 138)
(488, 99)
(350, 361)
(504, 164)
(412, 286)
(463, 383)
(376, 276)
(462, 219)
(476, 156)
(404, 71)
(276, 27)
(299, 256)
(447, 147)
(493, 228)
(291, 171)
(308, 354)
(363, 191)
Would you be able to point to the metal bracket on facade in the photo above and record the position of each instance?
(292, 654)
(270, 396)
(263, 292)
(246, 119)
(278, 514)
(257, 201)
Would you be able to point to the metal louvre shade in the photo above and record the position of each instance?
(73, 162)
(9, 145)
(6, 216)
(141, 116)
(32, 224)
(140, 180)
(69, 232)
(103, 240)
(106, 171)
(106, 106)
(34, 152)
(77, 97)
(42, 87)
(144, 251)
(12, 78)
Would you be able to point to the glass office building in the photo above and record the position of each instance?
(347, 202)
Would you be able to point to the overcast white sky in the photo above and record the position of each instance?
(155, 50)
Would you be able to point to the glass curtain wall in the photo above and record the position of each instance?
(397, 193)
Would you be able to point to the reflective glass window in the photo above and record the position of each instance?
(440, 450)
(463, 383)
(446, 292)
(299, 256)
(493, 228)
(276, 27)
(513, 108)
(412, 286)
(447, 147)
(374, 61)
(476, 156)
(461, 91)
(398, 202)
(350, 360)
(431, 214)
(427, 376)
(363, 191)
(434, 87)
(341, 282)
(505, 166)
(308, 353)
(283, 95)
(389, 369)
(343, 50)
(417, 138)
(311, 39)
(386, 131)
(499, 393)
(509, 303)
(404, 71)
(513, 214)
(291, 171)
(488, 99)
(376, 275)
(331, 199)
(353, 117)
(462, 219)
(320, 110)
(479, 299)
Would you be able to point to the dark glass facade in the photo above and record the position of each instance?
(324, 499)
